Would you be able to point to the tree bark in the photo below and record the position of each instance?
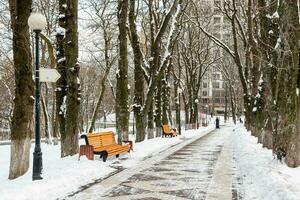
(158, 107)
(288, 137)
(122, 106)
(21, 129)
(139, 81)
(61, 84)
(46, 119)
(150, 121)
(69, 141)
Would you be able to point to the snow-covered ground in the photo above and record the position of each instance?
(256, 175)
(261, 176)
(64, 176)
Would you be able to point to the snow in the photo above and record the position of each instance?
(262, 176)
(63, 107)
(298, 4)
(278, 43)
(60, 31)
(273, 16)
(118, 73)
(61, 60)
(61, 16)
(62, 176)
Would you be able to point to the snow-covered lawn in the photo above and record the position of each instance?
(64, 176)
(263, 177)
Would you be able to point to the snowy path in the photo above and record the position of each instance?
(199, 170)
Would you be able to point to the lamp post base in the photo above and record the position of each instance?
(37, 166)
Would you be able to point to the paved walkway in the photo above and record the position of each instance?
(199, 170)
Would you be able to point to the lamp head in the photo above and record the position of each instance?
(37, 21)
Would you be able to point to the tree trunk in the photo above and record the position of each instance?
(150, 122)
(103, 81)
(69, 141)
(138, 77)
(21, 129)
(226, 104)
(158, 107)
(288, 136)
(54, 120)
(47, 121)
(122, 110)
(186, 109)
(61, 84)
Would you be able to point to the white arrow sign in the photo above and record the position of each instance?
(49, 75)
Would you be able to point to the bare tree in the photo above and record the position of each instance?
(69, 140)
(23, 102)
(153, 68)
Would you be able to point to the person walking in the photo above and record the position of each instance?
(217, 122)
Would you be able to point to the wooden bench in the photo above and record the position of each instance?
(167, 131)
(104, 144)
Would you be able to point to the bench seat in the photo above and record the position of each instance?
(167, 131)
(104, 144)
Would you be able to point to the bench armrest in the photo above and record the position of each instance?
(85, 138)
(129, 142)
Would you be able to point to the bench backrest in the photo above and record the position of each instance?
(166, 128)
(101, 139)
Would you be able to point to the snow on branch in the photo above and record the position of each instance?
(164, 23)
(170, 37)
(145, 66)
(218, 42)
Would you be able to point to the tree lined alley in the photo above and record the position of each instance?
(151, 60)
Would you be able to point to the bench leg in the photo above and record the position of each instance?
(104, 155)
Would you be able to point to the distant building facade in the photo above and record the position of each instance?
(213, 91)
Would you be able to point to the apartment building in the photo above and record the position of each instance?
(213, 90)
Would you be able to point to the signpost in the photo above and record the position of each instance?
(49, 75)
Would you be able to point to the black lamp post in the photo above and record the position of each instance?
(196, 112)
(104, 119)
(179, 123)
(206, 106)
(133, 125)
(37, 22)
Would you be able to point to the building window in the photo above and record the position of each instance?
(217, 28)
(217, 93)
(217, 20)
(216, 85)
(204, 93)
(205, 100)
(204, 85)
(216, 76)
